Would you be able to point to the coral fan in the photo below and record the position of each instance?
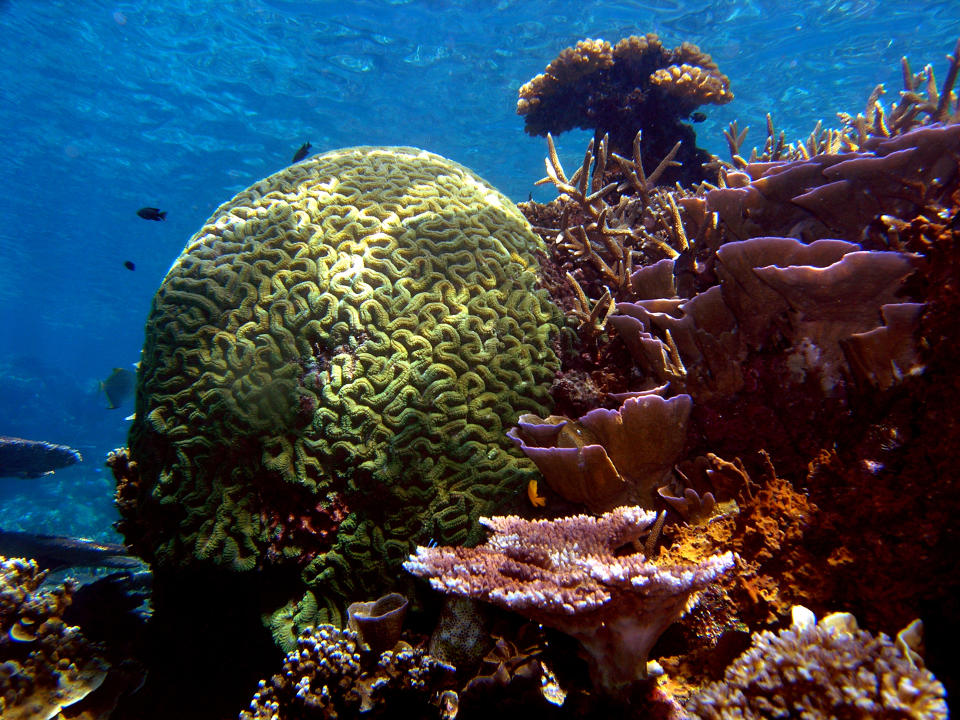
(330, 675)
(328, 370)
(45, 665)
(823, 669)
(566, 574)
(637, 85)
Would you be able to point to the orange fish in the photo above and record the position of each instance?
(535, 499)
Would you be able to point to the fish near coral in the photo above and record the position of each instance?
(301, 152)
(118, 387)
(328, 368)
(33, 458)
(607, 457)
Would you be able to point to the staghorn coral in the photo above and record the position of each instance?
(840, 195)
(566, 574)
(637, 85)
(921, 103)
(328, 369)
(608, 457)
(330, 675)
(611, 217)
(823, 669)
(45, 665)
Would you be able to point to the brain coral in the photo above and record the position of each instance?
(329, 370)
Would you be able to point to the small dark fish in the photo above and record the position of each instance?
(128, 264)
(302, 152)
(149, 213)
(698, 116)
(118, 387)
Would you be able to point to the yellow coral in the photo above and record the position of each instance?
(365, 323)
(695, 84)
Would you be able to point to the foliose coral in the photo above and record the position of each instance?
(378, 622)
(330, 675)
(567, 574)
(329, 368)
(823, 669)
(608, 457)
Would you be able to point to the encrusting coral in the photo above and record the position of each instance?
(566, 573)
(45, 664)
(329, 369)
(824, 669)
(330, 675)
(637, 85)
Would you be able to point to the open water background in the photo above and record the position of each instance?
(106, 107)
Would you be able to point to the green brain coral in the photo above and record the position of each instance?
(329, 369)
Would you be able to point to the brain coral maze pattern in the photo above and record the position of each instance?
(330, 367)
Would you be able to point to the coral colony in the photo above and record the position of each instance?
(619, 442)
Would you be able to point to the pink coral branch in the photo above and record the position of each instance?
(566, 574)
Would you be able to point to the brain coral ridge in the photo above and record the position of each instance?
(358, 329)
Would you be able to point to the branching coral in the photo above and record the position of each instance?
(330, 675)
(823, 669)
(637, 85)
(328, 370)
(567, 574)
(921, 103)
(45, 665)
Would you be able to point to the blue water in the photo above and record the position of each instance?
(106, 107)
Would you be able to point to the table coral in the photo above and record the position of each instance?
(620, 90)
(328, 370)
(823, 669)
(567, 574)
